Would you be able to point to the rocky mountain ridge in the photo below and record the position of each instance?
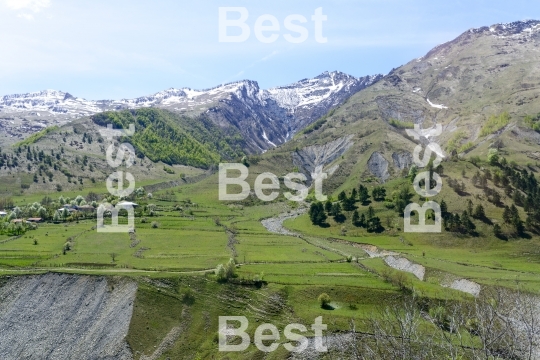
(464, 85)
(266, 118)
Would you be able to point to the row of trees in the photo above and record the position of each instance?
(519, 185)
(48, 208)
(318, 214)
(369, 221)
(46, 165)
(14, 229)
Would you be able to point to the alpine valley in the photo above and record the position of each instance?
(470, 291)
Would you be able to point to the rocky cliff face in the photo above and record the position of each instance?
(311, 157)
(61, 316)
(309, 99)
(378, 166)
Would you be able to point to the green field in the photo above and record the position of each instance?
(177, 246)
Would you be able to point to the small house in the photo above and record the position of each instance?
(85, 208)
(127, 203)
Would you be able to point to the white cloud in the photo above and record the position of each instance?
(33, 5)
(26, 16)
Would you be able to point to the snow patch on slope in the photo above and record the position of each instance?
(266, 139)
(309, 92)
(436, 106)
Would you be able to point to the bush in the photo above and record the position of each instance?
(220, 273)
(226, 272)
(386, 274)
(258, 278)
(230, 269)
(400, 280)
(168, 170)
(493, 157)
(495, 123)
(438, 316)
(324, 300)
(465, 147)
(401, 124)
(188, 297)
(155, 224)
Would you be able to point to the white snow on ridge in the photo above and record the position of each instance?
(309, 92)
(51, 101)
(324, 91)
(59, 102)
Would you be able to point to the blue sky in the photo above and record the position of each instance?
(103, 49)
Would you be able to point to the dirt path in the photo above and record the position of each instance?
(231, 242)
(392, 259)
(112, 271)
(275, 224)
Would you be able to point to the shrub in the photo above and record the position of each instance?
(386, 274)
(230, 269)
(495, 123)
(400, 280)
(188, 297)
(401, 124)
(493, 157)
(438, 315)
(324, 300)
(258, 278)
(533, 122)
(226, 272)
(220, 273)
(465, 147)
(168, 170)
(455, 142)
(155, 224)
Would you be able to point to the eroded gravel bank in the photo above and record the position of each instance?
(63, 316)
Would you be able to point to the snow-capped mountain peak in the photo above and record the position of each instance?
(309, 92)
(266, 117)
(48, 101)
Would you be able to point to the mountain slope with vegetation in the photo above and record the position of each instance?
(160, 138)
(469, 291)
